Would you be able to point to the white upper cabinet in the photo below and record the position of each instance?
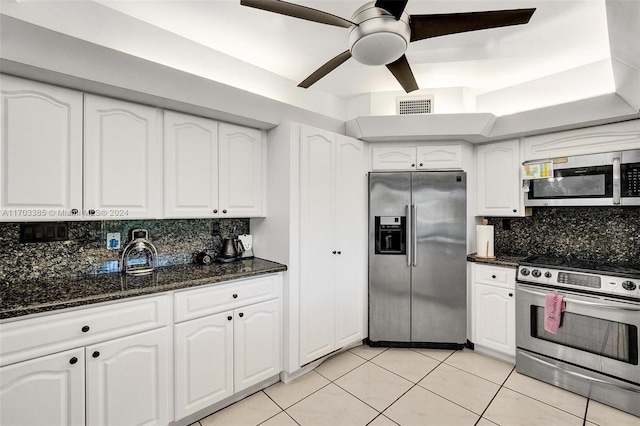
(190, 166)
(438, 157)
(40, 151)
(499, 182)
(121, 176)
(590, 140)
(242, 173)
(212, 169)
(421, 157)
(393, 158)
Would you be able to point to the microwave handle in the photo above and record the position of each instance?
(616, 180)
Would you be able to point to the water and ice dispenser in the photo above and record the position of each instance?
(390, 234)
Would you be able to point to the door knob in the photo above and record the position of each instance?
(73, 360)
(95, 354)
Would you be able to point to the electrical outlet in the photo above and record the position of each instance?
(113, 240)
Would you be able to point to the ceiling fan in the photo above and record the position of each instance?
(380, 32)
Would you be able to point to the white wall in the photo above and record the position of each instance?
(568, 86)
(95, 23)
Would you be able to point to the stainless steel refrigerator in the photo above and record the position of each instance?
(417, 259)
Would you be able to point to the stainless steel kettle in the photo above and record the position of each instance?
(231, 248)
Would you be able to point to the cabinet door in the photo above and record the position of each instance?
(241, 171)
(44, 391)
(121, 159)
(495, 318)
(256, 343)
(442, 157)
(128, 380)
(318, 250)
(190, 166)
(350, 226)
(40, 151)
(499, 184)
(203, 362)
(393, 158)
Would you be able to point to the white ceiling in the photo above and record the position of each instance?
(561, 35)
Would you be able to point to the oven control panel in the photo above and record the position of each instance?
(580, 280)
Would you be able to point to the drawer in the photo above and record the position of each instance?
(495, 275)
(196, 303)
(43, 335)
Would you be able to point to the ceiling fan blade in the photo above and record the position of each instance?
(325, 69)
(427, 26)
(394, 7)
(402, 72)
(297, 11)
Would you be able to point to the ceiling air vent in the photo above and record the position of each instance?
(415, 105)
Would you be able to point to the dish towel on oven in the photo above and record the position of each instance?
(553, 307)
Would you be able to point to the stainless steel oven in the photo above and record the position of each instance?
(611, 178)
(595, 351)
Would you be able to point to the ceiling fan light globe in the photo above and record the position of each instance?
(378, 48)
(379, 38)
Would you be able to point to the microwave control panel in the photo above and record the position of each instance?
(630, 180)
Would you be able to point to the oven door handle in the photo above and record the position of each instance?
(585, 303)
(579, 375)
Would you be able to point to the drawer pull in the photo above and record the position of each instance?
(85, 328)
(95, 354)
(493, 276)
(510, 294)
(229, 317)
(235, 296)
(240, 314)
(73, 360)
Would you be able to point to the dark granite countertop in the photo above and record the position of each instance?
(508, 260)
(23, 298)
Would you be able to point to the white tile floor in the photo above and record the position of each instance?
(386, 387)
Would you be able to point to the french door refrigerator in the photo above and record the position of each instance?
(417, 259)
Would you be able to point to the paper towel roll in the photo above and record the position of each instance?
(485, 241)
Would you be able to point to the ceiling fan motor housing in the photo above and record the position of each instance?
(379, 38)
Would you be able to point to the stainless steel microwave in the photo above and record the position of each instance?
(609, 179)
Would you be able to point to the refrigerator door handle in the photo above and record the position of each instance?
(408, 234)
(414, 236)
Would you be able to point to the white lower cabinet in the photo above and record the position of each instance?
(103, 365)
(118, 382)
(203, 362)
(127, 380)
(219, 355)
(494, 310)
(56, 382)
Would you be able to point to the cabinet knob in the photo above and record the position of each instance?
(73, 360)
(339, 252)
(95, 354)
(85, 328)
(74, 211)
(420, 164)
(515, 210)
(229, 318)
(215, 210)
(240, 314)
(413, 165)
(334, 252)
(224, 211)
(92, 212)
(510, 294)
(493, 276)
(235, 296)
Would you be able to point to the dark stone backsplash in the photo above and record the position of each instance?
(176, 240)
(609, 234)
